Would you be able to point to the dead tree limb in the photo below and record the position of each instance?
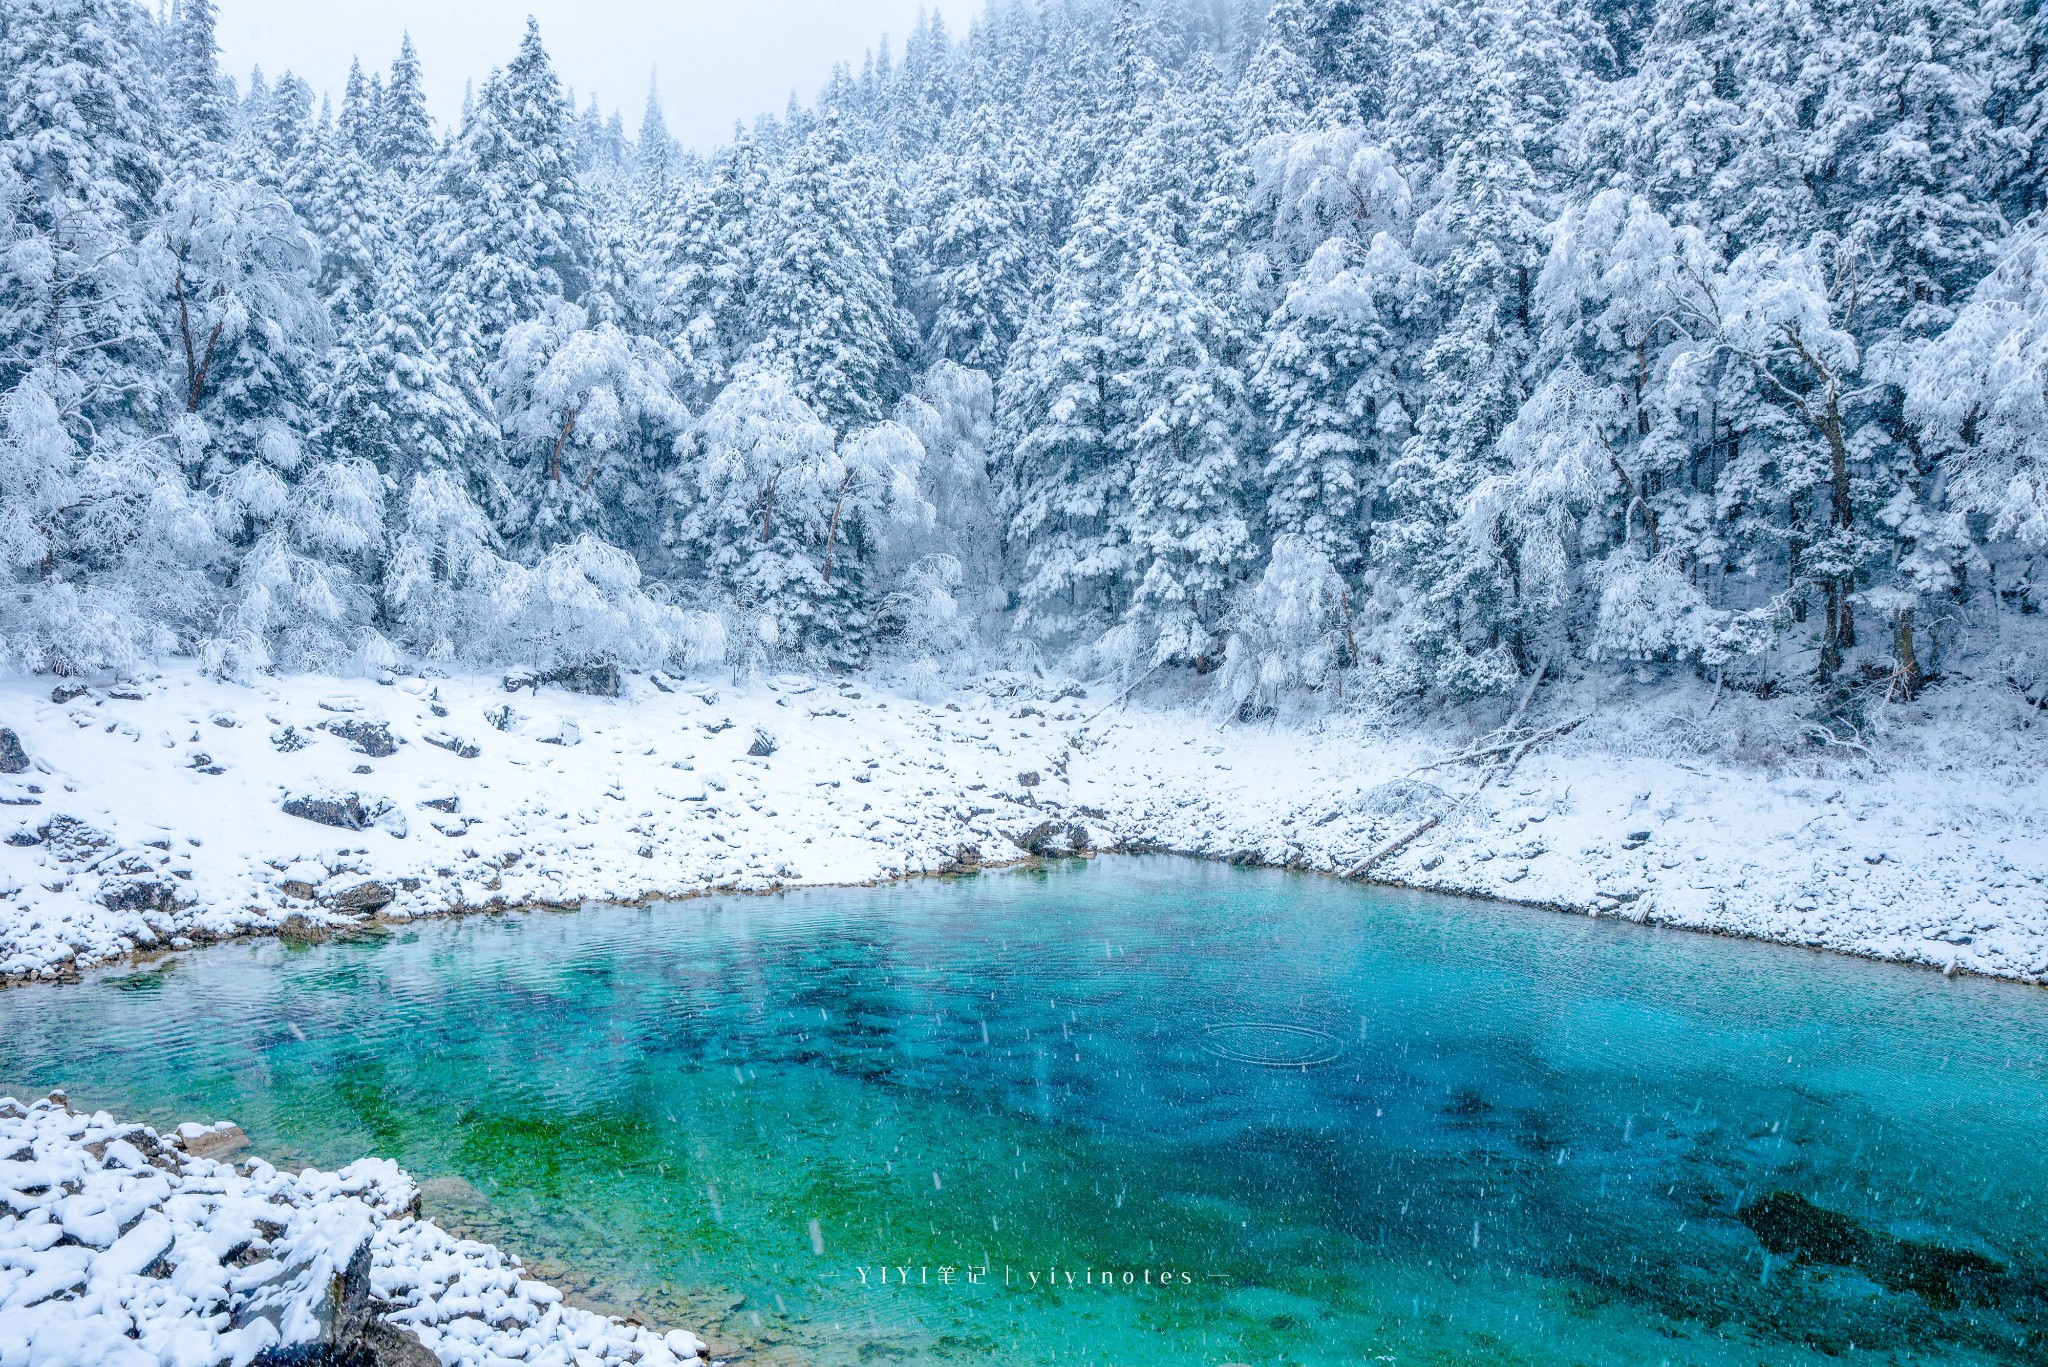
(1516, 750)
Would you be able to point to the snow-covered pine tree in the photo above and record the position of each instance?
(823, 307)
(707, 255)
(1330, 367)
(202, 104)
(391, 398)
(405, 134)
(510, 232)
(657, 163)
(1182, 424)
(80, 136)
(980, 261)
(1463, 625)
(350, 208)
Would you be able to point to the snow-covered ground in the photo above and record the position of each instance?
(169, 812)
(122, 1247)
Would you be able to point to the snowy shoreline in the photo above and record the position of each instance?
(124, 1247)
(166, 814)
(172, 813)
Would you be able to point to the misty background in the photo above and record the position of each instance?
(713, 61)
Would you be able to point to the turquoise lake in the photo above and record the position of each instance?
(1255, 1118)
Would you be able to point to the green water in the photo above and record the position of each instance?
(1347, 1125)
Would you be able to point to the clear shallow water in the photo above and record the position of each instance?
(1350, 1125)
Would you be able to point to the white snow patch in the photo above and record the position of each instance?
(145, 822)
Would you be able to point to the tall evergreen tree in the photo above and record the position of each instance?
(203, 102)
(824, 300)
(405, 135)
(511, 232)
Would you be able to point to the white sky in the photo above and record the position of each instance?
(716, 60)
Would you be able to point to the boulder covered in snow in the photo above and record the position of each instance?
(120, 1247)
(372, 738)
(361, 899)
(346, 811)
(144, 892)
(453, 744)
(13, 759)
(1053, 839)
(595, 680)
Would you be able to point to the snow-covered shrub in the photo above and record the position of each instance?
(1556, 471)
(101, 553)
(1981, 388)
(583, 604)
(788, 521)
(1328, 181)
(1289, 628)
(583, 407)
(952, 413)
(445, 582)
(1650, 610)
(746, 513)
(922, 612)
(302, 594)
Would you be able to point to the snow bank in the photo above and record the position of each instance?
(167, 813)
(121, 1247)
(170, 812)
(1944, 868)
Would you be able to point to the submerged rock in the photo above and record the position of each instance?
(1792, 1227)
(302, 929)
(211, 1141)
(384, 1344)
(966, 859)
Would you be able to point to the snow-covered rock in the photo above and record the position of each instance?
(122, 1247)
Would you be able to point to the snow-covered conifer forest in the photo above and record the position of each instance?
(1320, 354)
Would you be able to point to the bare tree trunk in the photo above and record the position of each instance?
(197, 366)
(1908, 681)
(1838, 631)
(555, 456)
(832, 537)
